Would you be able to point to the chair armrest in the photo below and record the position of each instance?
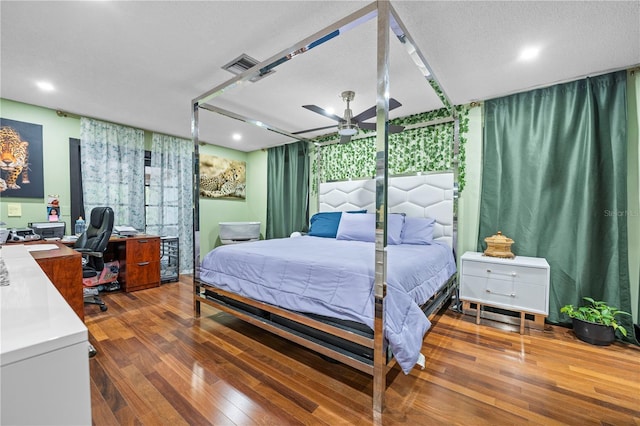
(89, 252)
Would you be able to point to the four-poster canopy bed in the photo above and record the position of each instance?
(355, 336)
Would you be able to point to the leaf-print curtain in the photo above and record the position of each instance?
(428, 148)
(112, 165)
(170, 196)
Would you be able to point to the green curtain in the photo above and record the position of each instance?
(287, 189)
(554, 179)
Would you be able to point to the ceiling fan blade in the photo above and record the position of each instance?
(371, 112)
(313, 130)
(368, 126)
(321, 111)
(345, 139)
(393, 104)
(372, 126)
(365, 115)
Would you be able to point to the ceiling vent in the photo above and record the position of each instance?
(243, 63)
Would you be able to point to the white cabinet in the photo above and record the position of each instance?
(44, 360)
(520, 284)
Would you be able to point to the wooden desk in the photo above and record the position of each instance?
(139, 260)
(63, 266)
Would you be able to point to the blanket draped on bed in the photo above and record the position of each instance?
(335, 278)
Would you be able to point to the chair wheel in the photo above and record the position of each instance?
(103, 308)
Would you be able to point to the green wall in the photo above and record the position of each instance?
(56, 132)
(469, 199)
(251, 209)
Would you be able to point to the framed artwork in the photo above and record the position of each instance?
(222, 178)
(53, 208)
(21, 164)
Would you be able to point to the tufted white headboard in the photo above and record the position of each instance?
(428, 195)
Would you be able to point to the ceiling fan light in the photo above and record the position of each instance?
(347, 129)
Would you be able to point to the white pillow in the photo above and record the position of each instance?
(395, 223)
(418, 230)
(357, 227)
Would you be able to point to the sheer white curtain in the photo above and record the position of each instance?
(112, 165)
(170, 196)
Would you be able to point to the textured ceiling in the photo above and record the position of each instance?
(141, 63)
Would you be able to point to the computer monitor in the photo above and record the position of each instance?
(49, 229)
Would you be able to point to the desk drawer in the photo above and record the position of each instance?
(524, 274)
(143, 250)
(141, 275)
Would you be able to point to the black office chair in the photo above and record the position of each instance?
(92, 244)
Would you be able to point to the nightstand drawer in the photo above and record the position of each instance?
(508, 294)
(519, 273)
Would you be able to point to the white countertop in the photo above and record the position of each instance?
(34, 317)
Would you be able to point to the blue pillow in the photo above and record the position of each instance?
(325, 224)
(418, 230)
(357, 227)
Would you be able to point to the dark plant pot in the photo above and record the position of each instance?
(591, 332)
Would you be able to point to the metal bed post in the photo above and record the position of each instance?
(196, 204)
(319, 171)
(456, 170)
(382, 146)
(401, 32)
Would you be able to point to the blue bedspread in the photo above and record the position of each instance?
(335, 278)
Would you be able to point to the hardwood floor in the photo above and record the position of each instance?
(157, 364)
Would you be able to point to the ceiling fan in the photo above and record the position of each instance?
(348, 125)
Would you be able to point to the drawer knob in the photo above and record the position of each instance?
(143, 263)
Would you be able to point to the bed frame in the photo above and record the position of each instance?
(425, 195)
(285, 323)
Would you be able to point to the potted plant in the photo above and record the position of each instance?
(595, 322)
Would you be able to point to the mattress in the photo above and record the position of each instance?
(335, 278)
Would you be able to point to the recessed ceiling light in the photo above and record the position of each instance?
(529, 53)
(236, 136)
(45, 85)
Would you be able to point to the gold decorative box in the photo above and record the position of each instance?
(499, 246)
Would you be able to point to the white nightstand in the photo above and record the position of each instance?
(520, 284)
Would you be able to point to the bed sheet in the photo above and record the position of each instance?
(335, 278)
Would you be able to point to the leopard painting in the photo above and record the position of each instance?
(222, 178)
(226, 184)
(14, 157)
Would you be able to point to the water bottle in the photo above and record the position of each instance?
(79, 226)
